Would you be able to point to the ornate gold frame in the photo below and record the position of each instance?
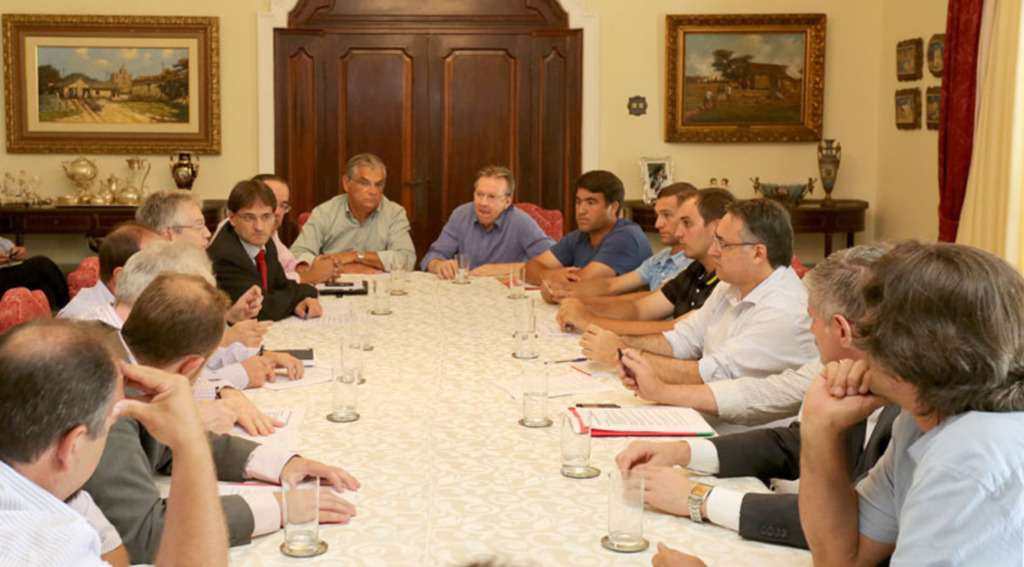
(204, 31)
(813, 87)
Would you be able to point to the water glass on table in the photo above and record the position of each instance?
(399, 276)
(300, 500)
(525, 332)
(625, 512)
(344, 395)
(517, 282)
(535, 396)
(576, 445)
(380, 296)
(462, 273)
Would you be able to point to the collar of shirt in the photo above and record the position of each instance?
(497, 222)
(351, 217)
(251, 250)
(759, 292)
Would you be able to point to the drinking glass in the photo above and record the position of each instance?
(462, 276)
(625, 512)
(380, 296)
(300, 500)
(525, 330)
(576, 445)
(517, 282)
(535, 397)
(345, 394)
(399, 276)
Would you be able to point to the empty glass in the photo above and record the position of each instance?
(380, 296)
(576, 445)
(535, 397)
(625, 512)
(300, 500)
(525, 330)
(517, 282)
(399, 276)
(345, 394)
(462, 275)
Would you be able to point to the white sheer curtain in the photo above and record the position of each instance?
(992, 214)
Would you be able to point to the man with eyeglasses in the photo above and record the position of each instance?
(241, 257)
(496, 235)
(362, 230)
(755, 324)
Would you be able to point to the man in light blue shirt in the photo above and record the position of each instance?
(943, 333)
(604, 245)
(491, 231)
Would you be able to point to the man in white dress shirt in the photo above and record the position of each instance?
(47, 455)
(754, 324)
(118, 245)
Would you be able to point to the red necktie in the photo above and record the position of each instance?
(261, 266)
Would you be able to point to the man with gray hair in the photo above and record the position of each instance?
(835, 302)
(364, 231)
(177, 214)
(491, 230)
(223, 402)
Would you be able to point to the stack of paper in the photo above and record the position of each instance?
(647, 421)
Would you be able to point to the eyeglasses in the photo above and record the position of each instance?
(285, 206)
(251, 218)
(718, 242)
(198, 226)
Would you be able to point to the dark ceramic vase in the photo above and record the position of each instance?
(185, 169)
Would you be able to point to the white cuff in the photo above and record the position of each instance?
(266, 512)
(703, 457)
(265, 463)
(723, 506)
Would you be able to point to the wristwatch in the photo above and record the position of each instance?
(698, 494)
(360, 256)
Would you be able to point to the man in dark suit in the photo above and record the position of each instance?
(241, 257)
(834, 300)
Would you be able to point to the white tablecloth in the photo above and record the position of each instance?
(448, 475)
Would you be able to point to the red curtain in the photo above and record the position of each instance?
(956, 120)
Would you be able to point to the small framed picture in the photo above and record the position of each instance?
(655, 172)
(908, 109)
(936, 53)
(909, 59)
(932, 107)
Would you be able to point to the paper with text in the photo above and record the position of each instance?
(649, 419)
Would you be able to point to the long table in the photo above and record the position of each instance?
(448, 475)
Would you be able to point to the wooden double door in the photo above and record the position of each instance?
(436, 105)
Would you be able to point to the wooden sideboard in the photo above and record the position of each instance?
(89, 221)
(810, 216)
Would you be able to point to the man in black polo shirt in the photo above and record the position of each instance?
(698, 216)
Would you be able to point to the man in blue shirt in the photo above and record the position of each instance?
(496, 235)
(604, 245)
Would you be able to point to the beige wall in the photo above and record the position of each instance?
(894, 171)
(908, 160)
(217, 174)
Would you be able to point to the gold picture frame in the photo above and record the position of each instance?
(745, 78)
(112, 84)
(908, 109)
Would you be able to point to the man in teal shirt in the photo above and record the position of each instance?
(363, 230)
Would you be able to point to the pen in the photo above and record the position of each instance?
(261, 350)
(580, 359)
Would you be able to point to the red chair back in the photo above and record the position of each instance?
(800, 269)
(549, 220)
(20, 304)
(303, 217)
(86, 275)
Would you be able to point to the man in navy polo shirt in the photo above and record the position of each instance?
(604, 245)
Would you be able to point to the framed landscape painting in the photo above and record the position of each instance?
(111, 84)
(745, 78)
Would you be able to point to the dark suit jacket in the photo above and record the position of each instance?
(123, 486)
(236, 273)
(775, 453)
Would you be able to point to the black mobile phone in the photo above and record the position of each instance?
(629, 373)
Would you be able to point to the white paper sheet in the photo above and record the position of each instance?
(314, 375)
(562, 384)
(286, 437)
(653, 419)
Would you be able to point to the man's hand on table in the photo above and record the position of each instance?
(333, 508)
(601, 345)
(247, 307)
(292, 365)
(259, 369)
(252, 420)
(309, 308)
(573, 314)
(639, 453)
(445, 269)
(667, 489)
(325, 268)
(217, 416)
(668, 557)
